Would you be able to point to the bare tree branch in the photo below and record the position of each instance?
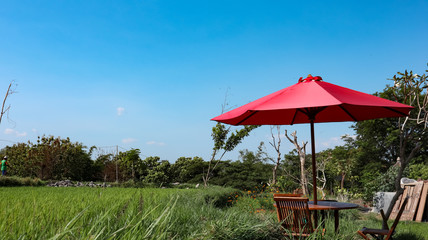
(5, 109)
(301, 149)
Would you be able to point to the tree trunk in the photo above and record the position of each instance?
(303, 179)
(342, 181)
(276, 144)
(302, 155)
(275, 169)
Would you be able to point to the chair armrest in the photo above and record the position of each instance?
(384, 219)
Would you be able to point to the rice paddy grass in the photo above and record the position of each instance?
(149, 213)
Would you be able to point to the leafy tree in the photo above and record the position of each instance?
(249, 172)
(19, 162)
(343, 160)
(400, 139)
(105, 168)
(132, 164)
(187, 169)
(156, 171)
(224, 141)
(290, 180)
(51, 158)
(418, 171)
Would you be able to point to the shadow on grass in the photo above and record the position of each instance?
(408, 236)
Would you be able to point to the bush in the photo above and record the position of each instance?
(220, 197)
(17, 181)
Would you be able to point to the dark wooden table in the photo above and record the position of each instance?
(331, 205)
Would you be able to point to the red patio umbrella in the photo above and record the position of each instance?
(312, 100)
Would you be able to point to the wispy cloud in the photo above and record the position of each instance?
(155, 143)
(129, 140)
(10, 131)
(335, 141)
(120, 111)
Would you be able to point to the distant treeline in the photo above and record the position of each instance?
(53, 158)
(351, 167)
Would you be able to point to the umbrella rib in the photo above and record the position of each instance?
(396, 111)
(349, 114)
(243, 120)
(295, 115)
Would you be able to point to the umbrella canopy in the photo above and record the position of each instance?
(312, 100)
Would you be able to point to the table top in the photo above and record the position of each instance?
(330, 205)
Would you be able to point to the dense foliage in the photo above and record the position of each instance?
(57, 159)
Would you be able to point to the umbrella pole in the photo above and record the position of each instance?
(314, 169)
(314, 172)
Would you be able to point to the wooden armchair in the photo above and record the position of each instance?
(379, 233)
(294, 214)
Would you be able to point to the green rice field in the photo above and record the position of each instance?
(148, 213)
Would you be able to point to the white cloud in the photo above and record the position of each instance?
(334, 141)
(120, 111)
(129, 140)
(155, 143)
(10, 131)
(23, 134)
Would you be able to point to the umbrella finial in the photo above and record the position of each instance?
(310, 78)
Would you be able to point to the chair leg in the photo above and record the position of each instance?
(323, 218)
(363, 235)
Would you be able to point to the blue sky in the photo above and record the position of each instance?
(151, 74)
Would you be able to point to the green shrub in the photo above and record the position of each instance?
(14, 181)
(220, 197)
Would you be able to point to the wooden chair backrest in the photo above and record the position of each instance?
(397, 219)
(287, 195)
(294, 214)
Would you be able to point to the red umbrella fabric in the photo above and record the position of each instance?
(316, 99)
(312, 100)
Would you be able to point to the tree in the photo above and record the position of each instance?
(249, 172)
(343, 159)
(51, 158)
(105, 168)
(301, 150)
(290, 179)
(5, 108)
(276, 144)
(132, 163)
(156, 171)
(187, 169)
(410, 89)
(400, 139)
(223, 143)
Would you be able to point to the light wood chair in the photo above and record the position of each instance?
(294, 214)
(380, 233)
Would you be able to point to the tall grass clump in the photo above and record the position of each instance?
(126, 213)
(13, 181)
(153, 213)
